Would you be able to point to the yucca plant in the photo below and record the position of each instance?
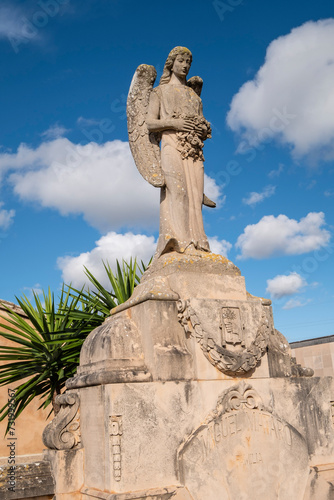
(46, 347)
(121, 286)
(47, 343)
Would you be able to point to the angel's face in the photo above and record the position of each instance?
(181, 65)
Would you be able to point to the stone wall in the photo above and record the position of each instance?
(32, 480)
(317, 354)
(29, 426)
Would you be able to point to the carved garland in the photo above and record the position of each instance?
(225, 360)
(63, 433)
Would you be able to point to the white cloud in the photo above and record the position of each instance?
(255, 198)
(114, 246)
(54, 132)
(283, 285)
(27, 158)
(277, 172)
(311, 185)
(6, 217)
(87, 122)
(99, 181)
(291, 97)
(292, 303)
(10, 23)
(220, 247)
(110, 247)
(283, 236)
(213, 191)
(31, 290)
(22, 24)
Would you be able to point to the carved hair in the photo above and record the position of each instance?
(167, 72)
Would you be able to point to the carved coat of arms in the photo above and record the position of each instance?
(231, 326)
(225, 340)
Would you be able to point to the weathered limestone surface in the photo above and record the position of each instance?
(171, 433)
(29, 480)
(194, 274)
(68, 471)
(187, 391)
(161, 339)
(196, 399)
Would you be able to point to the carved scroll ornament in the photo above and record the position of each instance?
(63, 433)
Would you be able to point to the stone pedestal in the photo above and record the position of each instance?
(188, 392)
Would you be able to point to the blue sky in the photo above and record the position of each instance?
(70, 194)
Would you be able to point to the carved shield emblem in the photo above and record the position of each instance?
(233, 335)
(232, 328)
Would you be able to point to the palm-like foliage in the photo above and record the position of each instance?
(47, 342)
(122, 284)
(46, 350)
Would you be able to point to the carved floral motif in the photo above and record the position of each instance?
(190, 144)
(239, 397)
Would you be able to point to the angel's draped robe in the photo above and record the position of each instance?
(181, 221)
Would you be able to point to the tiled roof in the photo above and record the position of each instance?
(4, 304)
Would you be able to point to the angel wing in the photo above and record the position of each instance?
(196, 83)
(144, 146)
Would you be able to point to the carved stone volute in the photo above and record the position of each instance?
(63, 433)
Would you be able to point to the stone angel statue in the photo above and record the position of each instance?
(167, 131)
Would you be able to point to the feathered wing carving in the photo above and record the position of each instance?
(196, 83)
(144, 146)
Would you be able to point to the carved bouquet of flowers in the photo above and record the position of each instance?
(190, 144)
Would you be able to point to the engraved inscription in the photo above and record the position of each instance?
(116, 431)
(234, 424)
(250, 459)
(243, 449)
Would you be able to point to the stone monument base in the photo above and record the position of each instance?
(204, 440)
(192, 395)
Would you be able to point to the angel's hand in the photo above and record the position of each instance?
(200, 130)
(184, 124)
(178, 124)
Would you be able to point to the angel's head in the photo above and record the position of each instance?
(167, 72)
